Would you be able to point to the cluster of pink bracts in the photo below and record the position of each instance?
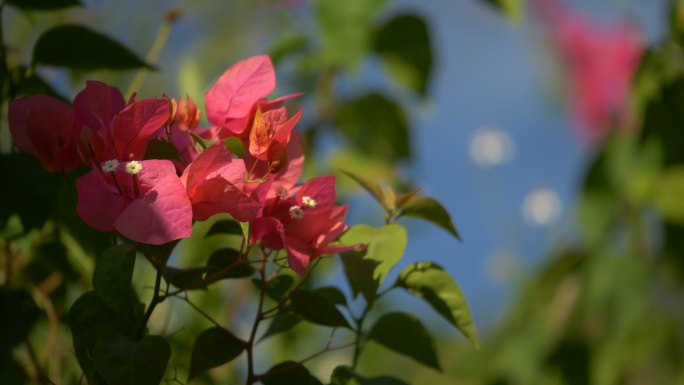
(155, 201)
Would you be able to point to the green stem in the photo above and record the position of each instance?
(251, 378)
(358, 346)
(152, 56)
(156, 299)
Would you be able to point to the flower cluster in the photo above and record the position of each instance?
(601, 61)
(155, 201)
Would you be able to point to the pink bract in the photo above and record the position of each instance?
(160, 212)
(304, 225)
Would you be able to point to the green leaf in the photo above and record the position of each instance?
(189, 279)
(344, 375)
(289, 373)
(345, 29)
(212, 348)
(19, 314)
(375, 125)
(112, 279)
(43, 5)
(373, 188)
(90, 319)
(405, 334)
(33, 84)
(404, 44)
(161, 149)
(315, 308)
(81, 48)
(431, 210)
(225, 227)
(432, 283)
(32, 193)
(360, 273)
(513, 9)
(122, 361)
(668, 193)
(276, 286)
(385, 245)
(280, 324)
(227, 261)
(331, 294)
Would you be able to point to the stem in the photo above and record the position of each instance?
(359, 332)
(251, 378)
(152, 55)
(156, 299)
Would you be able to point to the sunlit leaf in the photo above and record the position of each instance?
(668, 193)
(432, 283)
(430, 210)
(81, 48)
(315, 308)
(123, 361)
(373, 188)
(404, 44)
(513, 9)
(212, 348)
(405, 334)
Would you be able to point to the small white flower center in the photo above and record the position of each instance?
(133, 167)
(281, 192)
(110, 165)
(308, 201)
(296, 212)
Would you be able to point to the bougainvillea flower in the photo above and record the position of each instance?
(145, 201)
(270, 133)
(304, 224)
(231, 99)
(601, 61)
(289, 169)
(217, 184)
(43, 126)
(112, 130)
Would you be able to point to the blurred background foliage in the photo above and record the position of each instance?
(603, 305)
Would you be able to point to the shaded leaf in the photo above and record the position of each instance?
(344, 375)
(280, 324)
(668, 193)
(405, 334)
(276, 286)
(316, 309)
(161, 149)
(225, 264)
(385, 245)
(122, 361)
(19, 314)
(360, 273)
(225, 227)
(43, 5)
(289, 373)
(375, 125)
(188, 279)
(432, 283)
(112, 279)
(404, 44)
(430, 210)
(80, 48)
(331, 294)
(212, 348)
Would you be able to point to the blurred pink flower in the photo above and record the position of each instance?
(601, 63)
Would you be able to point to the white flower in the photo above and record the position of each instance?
(308, 201)
(296, 212)
(133, 167)
(110, 165)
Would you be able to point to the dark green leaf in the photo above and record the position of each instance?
(276, 287)
(188, 279)
(431, 282)
(50, 257)
(80, 48)
(373, 188)
(90, 320)
(360, 273)
(404, 44)
(122, 361)
(19, 314)
(212, 348)
(316, 309)
(432, 211)
(112, 279)
(331, 294)
(513, 9)
(33, 84)
(161, 149)
(385, 245)
(32, 192)
(375, 125)
(225, 227)
(406, 335)
(43, 5)
(225, 264)
(344, 375)
(280, 324)
(289, 373)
